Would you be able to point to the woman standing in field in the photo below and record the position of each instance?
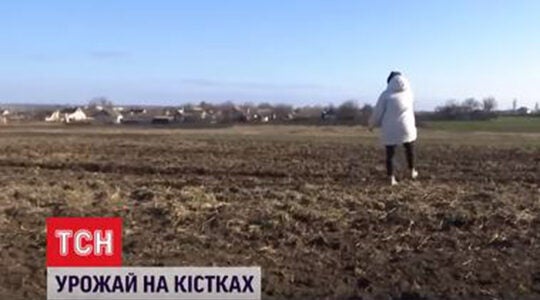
(394, 113)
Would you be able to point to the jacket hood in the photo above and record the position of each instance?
(398, 84)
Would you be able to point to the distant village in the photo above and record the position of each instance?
(101, 111)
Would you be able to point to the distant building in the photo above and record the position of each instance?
(191, 114)
(329, 114)
(136, 116)
(68, 115)
(308, 113)
(101, 115)
(523, 111)
(135, 111)
(263, 115)
(163, 119)
(4, 113)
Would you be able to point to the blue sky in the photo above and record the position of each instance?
(294, 51)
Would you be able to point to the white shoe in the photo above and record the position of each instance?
(393, 181)
(414, 174)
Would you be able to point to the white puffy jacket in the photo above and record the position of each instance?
(394, 113)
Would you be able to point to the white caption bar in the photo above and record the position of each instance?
(138, 283)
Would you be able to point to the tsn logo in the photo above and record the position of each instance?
(84, 242)
(103, 242)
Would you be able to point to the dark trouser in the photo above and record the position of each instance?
(390, 150)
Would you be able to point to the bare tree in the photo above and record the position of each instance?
(449, 105)
(367, 109)
(100, 101)
(265, 105)
(347, 111)
(365, 113)
(489, 104)
(450, 110)
(229, 112)
(472, 104)
(283, 111)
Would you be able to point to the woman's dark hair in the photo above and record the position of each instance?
(392, 74)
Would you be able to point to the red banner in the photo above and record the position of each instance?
(84, 242)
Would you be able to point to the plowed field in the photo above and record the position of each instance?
(308, 205)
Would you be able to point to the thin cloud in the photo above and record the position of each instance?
(250, 85)
(44, 57)
(108, 54)
(202, 82)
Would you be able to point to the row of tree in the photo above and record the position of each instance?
(468, 109)
(487, 104)
(349, 112)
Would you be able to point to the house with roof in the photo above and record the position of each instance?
(103, 115)
(191, 114)
(68, 115)
(4, 114)
(136, 115)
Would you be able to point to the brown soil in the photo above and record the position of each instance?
(308, 205)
